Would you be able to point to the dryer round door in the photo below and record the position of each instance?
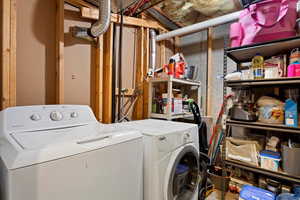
(182, 175)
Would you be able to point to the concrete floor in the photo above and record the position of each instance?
(216, 195)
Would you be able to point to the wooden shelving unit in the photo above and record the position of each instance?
(245, 54)
(171, 82)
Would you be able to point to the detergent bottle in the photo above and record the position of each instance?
(258, 67)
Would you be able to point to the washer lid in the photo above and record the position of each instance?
(46, 138)
(34, 147)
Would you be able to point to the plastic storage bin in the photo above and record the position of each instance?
(254, 193)
(287, 196)
(269, 160)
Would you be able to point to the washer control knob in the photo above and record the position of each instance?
(74, 115)
(56, 116)
(35, 117)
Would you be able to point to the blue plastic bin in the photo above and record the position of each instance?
(254, 193)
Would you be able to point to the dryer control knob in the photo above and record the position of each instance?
(56, 116)
(35, 117)
(74, 115)
(186, 137)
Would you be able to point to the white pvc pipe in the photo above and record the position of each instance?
(200, 26)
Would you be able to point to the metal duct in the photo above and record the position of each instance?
(153, 52)
(101, 26)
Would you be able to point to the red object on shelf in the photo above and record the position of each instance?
(179, 69)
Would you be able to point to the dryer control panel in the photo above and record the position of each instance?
(33, 118)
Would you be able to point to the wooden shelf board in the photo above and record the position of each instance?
(175, 80)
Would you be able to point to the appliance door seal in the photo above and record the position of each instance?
(182, 174)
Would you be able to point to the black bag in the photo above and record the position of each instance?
(202, 128)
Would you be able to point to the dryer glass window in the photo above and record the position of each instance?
(184, 177)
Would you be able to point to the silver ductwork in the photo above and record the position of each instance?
(101, 26)
(153, 52)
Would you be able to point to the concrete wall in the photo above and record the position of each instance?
(195, 50)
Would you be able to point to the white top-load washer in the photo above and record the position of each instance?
(61, 152)
(171, 159)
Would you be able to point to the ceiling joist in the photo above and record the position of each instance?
(80, 3)
(92, 13)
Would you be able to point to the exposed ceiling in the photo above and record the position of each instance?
(186, 12)
(180, 12)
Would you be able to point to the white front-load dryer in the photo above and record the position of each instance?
(171, 159)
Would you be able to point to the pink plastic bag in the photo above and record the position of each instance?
(265, 21)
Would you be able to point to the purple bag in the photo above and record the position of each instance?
(265, 21)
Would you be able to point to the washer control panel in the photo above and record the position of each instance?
(56, 116)
(30, 118)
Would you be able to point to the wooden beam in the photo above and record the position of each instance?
(138, 109)
(5, 52)
(209, 72)
(146, 68)
(80, 3)
(13, 54)
(60, 52)
(91, 13)
(97, 78)
(107, 75)
(162, 46)
(177, 42)
(8, 48)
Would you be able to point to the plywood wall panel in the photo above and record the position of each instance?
(1, 32)
(77, 57)
(36, 52)
(129, 55)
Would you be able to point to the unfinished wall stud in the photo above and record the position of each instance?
(146, 68)
(60, 52)
(8, 48)
(107, 75)
(138, 110)
(209, 71)
(177, 42)
(97, 83)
